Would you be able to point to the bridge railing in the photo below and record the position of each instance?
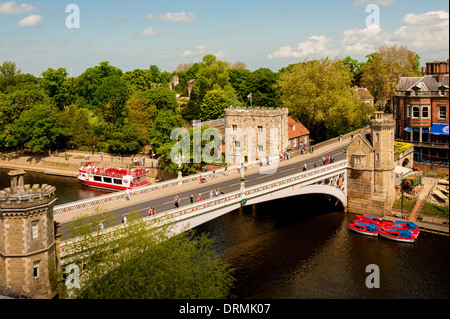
(98, 200)
(222, 201)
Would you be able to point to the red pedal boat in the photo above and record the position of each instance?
(403, 224)
(364, 228)
(402, 235)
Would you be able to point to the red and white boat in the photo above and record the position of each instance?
(112, 178)
(364, 228)
(371, 219)
(402, 235)
(403, 224)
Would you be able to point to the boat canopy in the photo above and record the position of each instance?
(409, 225)
(404, 233)
(369, 227)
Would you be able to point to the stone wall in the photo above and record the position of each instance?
(257, 124)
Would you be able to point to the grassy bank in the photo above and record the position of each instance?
(429, 209)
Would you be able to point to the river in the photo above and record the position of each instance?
(300, 248)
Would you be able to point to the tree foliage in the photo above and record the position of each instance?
(153, 265)
(318, 93)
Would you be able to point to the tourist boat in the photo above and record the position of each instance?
(402, 235)
(403, 224)
(364, 228)
(112, 178)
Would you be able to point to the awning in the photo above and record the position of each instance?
(439, 129)
(415, 129)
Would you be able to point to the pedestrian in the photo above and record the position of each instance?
(101, 225)
(128, 194)
(304, 167)
(217, 192)
(324, 160)
(150, 212)
(225, 172)
(177, 201)
(201, 179)
(153, 210)
(328, 160)
(143, 160)
(199, 197)
(192, 198)
(124, 219)
(211, 194)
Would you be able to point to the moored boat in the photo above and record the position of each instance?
(112, 178)
(402, 235)
(371, 219)
(403, 224)
(363, 228)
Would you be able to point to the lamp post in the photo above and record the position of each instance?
(179, 159)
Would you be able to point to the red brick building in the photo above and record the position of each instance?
(298, 134)
(422, 112)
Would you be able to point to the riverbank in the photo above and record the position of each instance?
(63, 164)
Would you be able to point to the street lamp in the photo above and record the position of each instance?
(179, 159)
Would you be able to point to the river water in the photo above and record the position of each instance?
(300, 248)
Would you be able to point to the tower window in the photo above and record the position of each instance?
(34, 229)
(36, 269)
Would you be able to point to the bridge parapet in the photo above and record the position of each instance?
(203, 211)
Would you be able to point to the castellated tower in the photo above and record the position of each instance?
(28, 245)
(370, 184)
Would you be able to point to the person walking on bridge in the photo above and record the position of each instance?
(177, 201)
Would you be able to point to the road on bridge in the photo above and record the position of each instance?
(226, 184)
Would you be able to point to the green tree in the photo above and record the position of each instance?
(77, 121)
(214, 104)
(153, 265)
(13, 102)
(126, 141)
(9, 75)
(318, 93)
(61, 89)
(110, 98)
(138, 79)
(39, 128)
(383, 68)
(93, 77)
(161, 97)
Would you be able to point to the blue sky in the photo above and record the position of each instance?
(136, 34)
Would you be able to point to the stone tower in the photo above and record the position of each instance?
(370, 170)
(265, 131)
(28, 237)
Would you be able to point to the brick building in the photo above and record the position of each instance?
(422, 112)
(298, 134)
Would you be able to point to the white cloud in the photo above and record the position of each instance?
(11, 7)
(149, 32)
(34, 20)
(314, 46)
(426, 32)
(363, 41)
(174, 17)
(199, 49)
(367, 2)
